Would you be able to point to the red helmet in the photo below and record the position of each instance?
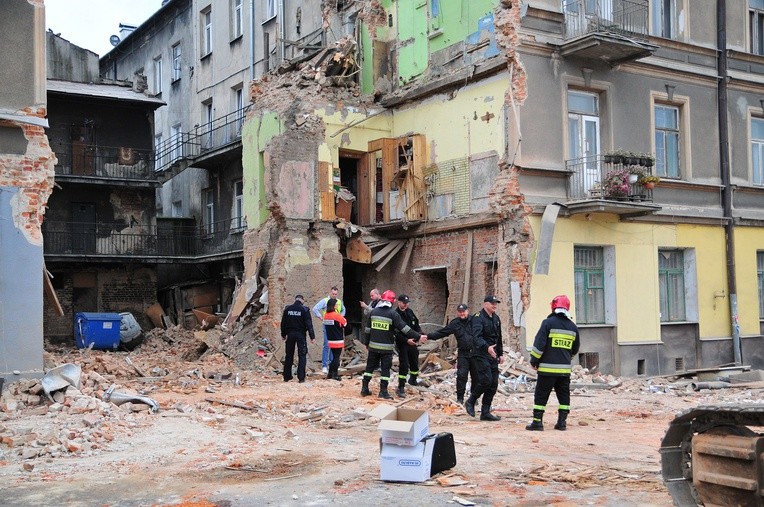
(388, 296)
(561, 301)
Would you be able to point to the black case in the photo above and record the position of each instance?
(443, 453)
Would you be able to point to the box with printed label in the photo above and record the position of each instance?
(406, 463)
(401, 426)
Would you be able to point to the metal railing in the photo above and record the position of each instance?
(626, 17)
(105, 162)
(120, 240)
(597, 177)
(203, 138)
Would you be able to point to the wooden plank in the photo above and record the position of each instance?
(392, 254)
(327, 206)
(365, 190)
(324, 176)
(357, 251)
(382, 253)
(407, 256)
(50, 292)
(389, 164)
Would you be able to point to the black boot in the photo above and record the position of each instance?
(383, 391)
(365, 387)
(486, 415)
(413, 380)
(537, 424)
(469, 405)
(401, 392)
(460, 399)
(562, 417)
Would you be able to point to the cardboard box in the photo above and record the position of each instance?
(417, 463)
(406, 463)
(401, 426)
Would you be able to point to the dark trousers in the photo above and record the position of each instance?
(408, 358)
(544, 386)
(377, 359)
(334, 366)
(464, 368)
(487, 374)
(299, 340)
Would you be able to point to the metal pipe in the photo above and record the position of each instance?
(697, 386)
(251, 40)
(724, 168)
(282, 28)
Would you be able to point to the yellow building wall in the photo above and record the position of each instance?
(748, 240)
(636, 270)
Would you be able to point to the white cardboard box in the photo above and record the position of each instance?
(406, 463)
(401, 426)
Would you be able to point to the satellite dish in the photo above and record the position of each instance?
(114, 39)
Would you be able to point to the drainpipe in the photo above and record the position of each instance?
(729, 223)
(282, 28)
(251, 40)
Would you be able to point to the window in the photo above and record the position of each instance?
(589, 276)
(757, 150)
(756, 26)
(237, 21)
(238, 107)
(671, 285)
(206, 32)
(667, 141)
(176, 62)
(760, 276)
(237, 220)
(209, 212)
(207, 119)
(664, 18)
(583, 140)
(158, 75)
(176, 146)
(158, 152)
(270, 9)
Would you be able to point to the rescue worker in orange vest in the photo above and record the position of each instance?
(556, 342)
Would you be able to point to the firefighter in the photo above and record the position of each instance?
(295, 322)
(461, 328)
(384, 321)
(408, 355)
(489, 350)
(556, 342)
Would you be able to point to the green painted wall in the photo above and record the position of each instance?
(456, 20)
(256, 134)
(412, 39)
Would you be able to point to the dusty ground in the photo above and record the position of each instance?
(314, 444)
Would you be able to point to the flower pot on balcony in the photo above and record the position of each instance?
(633, 178)
(649, 185)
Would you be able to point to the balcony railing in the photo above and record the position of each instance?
(118, 240)
(626, 17)
(105, 162)
(598, 177)
(202, 139)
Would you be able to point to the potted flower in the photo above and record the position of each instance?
(616, 184)
(615, 157)
(646, 159)
(648, 181)
(636, 173)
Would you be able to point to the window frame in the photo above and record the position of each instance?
(209, 211)
(271, 10)
(206, 32)
(176, 144)
(158, 152)
(665, 275)
(177, 54)
(755, 36)
(237, 19)
(756, 145)
(685, 135)
(158, 75)
(238, 223)
(659, 23)
(584, 301)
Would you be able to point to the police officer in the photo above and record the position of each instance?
(556, 342)
(384, 322)
(486, 331)
(408, 355)
(461, 328)
(294, 323)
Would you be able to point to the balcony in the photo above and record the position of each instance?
(613, 31)
(205, 146)
(600, 184)
(104, 242)
(105, 164)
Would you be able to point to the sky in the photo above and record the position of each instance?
(89, 23)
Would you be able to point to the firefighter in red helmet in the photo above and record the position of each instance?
(556, 342)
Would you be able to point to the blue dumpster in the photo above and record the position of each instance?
(99, 329)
